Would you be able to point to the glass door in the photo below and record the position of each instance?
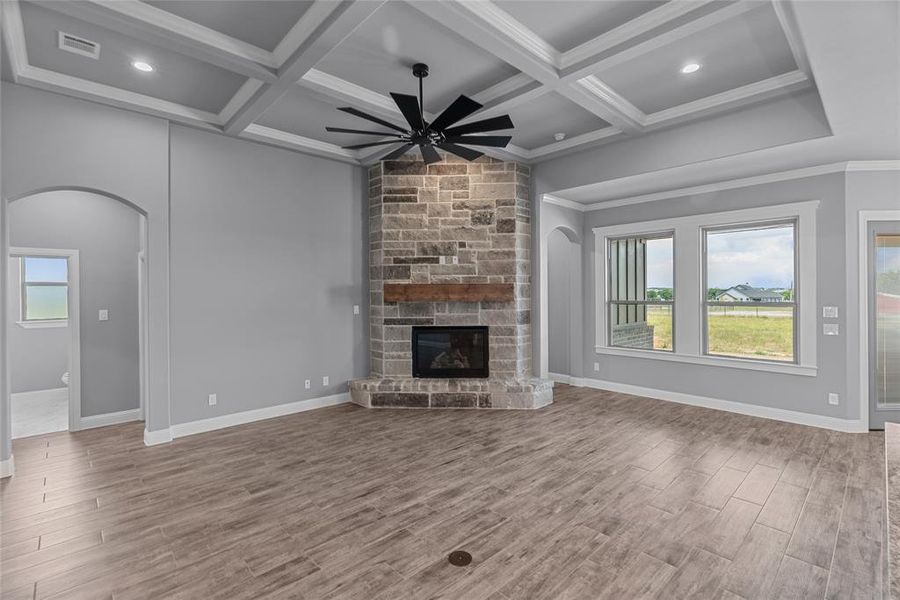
(884, 323)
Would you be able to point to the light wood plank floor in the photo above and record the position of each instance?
(601, 495)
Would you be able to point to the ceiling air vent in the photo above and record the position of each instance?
(78, 45)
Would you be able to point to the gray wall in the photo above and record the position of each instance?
(267, 263)
(106, 234)
(37, 357)
(790, 392)
(238, 204)
(559, 254)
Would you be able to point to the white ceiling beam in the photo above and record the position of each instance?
(293, 141)
(488, 27)
(335, 88)
(14, 36)
(766, 89)
(641, 25)
(340, 21)
(788, 21)
(156, 26)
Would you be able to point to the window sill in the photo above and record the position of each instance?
(43, 324)
(710, 361)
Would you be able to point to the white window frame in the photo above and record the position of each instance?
(689, 292)
(40, 323)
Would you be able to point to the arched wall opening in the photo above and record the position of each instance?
(67, 217)
(560, 258)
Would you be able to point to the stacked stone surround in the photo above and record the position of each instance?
(450, 222)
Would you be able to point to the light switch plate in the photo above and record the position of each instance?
(834, 399)
(212, 400)
(830, 312)
(831, 329)
(103, 314)
(325, 380)
(356, 309)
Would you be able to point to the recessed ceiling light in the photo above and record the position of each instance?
(690, 68)
(142, 66)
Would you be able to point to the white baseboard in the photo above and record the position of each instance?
(765, 412)
(122, 416)
(270, 412)
(7, 467)
(160, 436)
(45, 395)
(567, 379)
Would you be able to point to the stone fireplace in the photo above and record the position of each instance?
(450, 245)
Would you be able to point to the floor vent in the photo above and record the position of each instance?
(76, 45)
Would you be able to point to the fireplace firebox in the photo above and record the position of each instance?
(448, 352)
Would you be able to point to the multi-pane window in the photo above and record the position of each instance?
(750, 293)
(640, 292)
(44, 288)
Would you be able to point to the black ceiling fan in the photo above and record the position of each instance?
(438, 133)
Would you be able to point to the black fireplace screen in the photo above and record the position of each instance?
(458, 351)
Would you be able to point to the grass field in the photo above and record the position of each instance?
(768, 336)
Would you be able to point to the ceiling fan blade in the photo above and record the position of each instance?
(492, 124)
(397, 153)
(466, 153)
(429, 154)
(359, 113)
(461, 108)
(497, 141)
(361, 131)
(409, 106)
(358, 146)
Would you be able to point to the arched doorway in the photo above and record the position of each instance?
(102, 239)
(561, 314)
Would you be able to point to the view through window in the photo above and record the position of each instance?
(641, 292)
(750, 297)
(44, 288)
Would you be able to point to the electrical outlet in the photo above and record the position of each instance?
(307, 384)
(212, 400)
(356, 309)
(103, 314)
(325, 380)
(833, 399)
(455, 260)
(830, 312)
(831, 329)
(596, 366)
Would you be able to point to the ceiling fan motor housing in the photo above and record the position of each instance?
(420, 70)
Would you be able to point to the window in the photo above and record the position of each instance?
(641, 295)
(750, 295)
(44, 289)
(733, 289)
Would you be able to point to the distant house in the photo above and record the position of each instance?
(748, 293)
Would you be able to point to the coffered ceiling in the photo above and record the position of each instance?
(596, 71)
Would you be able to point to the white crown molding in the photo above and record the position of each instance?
(730, 184)
(873, 165)
(115, 418)
(345, 91)
(570, 204)
(504, 88)
(105, 94)
(752, 410)
(627, 31)
(293, 141)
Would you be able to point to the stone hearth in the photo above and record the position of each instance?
(450, 222)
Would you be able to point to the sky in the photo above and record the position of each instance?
(763, 258)
(45, 269)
